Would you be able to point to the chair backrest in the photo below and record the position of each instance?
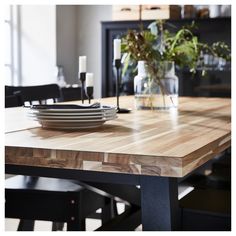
(39, 93)
(13, 101)
(70, 94)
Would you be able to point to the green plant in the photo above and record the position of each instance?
(157, 44)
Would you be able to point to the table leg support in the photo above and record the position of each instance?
(26, 225)
(159, 203)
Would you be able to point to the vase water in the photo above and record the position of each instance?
(156, 92)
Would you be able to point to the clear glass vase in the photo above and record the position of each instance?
(159, 92)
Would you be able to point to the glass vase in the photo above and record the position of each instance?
(156, 92)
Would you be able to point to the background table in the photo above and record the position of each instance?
(147, 148)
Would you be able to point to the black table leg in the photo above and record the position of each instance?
(57, 226)
(26, 225)
(159, 203)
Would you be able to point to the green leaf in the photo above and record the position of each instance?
(148, 36)
(126, 64)
(157, 44)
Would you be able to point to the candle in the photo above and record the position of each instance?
(89, 80)
(117, 49)
(82, 64)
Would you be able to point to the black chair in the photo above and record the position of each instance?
(13, 101)
(70, 94)
(27, 188)
(219, 176)
(51, 199)
(206, 210)
(208, 206)
(40, 93)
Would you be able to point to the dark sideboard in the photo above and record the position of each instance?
(217, 83)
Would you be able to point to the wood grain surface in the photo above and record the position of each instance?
(163, 143)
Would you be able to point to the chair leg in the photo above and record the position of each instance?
(26, 225)
(75, 222)
(76, 225)
(57, 226)
(127, 207)
(114, 207)
(107, 211)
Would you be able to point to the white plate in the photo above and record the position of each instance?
(75, 120)
(76, 124)
(66, 117)
(72, 127)
(103, 108)
(66, 114)
(72, 113)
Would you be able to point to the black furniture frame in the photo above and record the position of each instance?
(162, 217)
(160, 194)
(54, 200)
(39, 93)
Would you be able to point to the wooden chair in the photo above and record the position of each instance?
(46, 197)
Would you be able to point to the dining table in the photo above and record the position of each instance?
(149, 149)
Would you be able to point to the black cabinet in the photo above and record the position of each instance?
(215, 83)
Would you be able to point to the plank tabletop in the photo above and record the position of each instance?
(16, 119)
(148, 142)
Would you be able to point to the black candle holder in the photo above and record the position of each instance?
(89, 93)
(82, 79)
(118, 66)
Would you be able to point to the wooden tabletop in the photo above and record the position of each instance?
(163, 143)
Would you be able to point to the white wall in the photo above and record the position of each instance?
(58, 35)
(66, 37)
(38, 29)
(89, 38)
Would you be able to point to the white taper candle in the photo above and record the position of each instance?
(117, 49)
(82, 64)
(89, 80)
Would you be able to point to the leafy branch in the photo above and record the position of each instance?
(157, 44)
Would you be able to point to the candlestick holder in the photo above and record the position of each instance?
(118, 66)
(82, 79)
(89, 93)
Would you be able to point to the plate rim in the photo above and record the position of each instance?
(73, 121)
(108, 107)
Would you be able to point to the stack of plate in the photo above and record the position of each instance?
(72, 116)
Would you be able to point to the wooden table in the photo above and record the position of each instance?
(147, 148)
